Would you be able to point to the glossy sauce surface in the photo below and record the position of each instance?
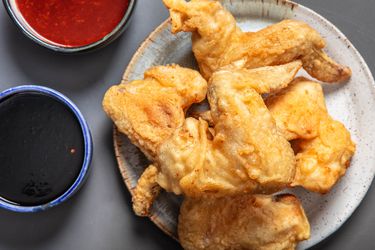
(41, 148)
(73, 23)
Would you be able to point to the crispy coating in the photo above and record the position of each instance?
(322, 161)
(323, 147)
(265, 80)
(298, 109)
(242, 222)
(246, 131)
(191, 165)
(146, 191)
(247, 152)
(218, 41)
(148, 111)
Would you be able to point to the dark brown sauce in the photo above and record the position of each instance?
(41, 148)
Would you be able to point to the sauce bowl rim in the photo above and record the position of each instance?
(107, 39)
(88, 146)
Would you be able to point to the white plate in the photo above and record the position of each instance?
(351, 103)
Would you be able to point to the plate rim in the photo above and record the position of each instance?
(120, 163)
(142, 46)
(164, 25)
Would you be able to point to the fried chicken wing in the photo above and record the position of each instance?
(242, 222)
(148, 111)
(264, 80)
(146, 191)
(190, 164)
(298, 109)
(218, 41)
(246, 154)
(246, 131)
(323, 147)
(322, 161)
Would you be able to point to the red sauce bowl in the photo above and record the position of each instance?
(68, 26)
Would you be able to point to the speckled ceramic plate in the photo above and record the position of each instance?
(352, 103)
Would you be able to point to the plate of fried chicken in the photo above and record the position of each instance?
(245, 125)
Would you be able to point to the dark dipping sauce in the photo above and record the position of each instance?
(41, 148)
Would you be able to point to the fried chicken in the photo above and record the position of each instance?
(245, 129)
(148, 111)
(298, 109)
(322, 161)
(265, 80)
(323, 147)
(242, 222)
(218, 41)
(146, 191)
(246, 154)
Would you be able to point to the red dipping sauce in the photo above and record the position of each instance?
(73, 23)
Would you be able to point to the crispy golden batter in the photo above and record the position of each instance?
(322, 161)
(324, 147)
(245, 129)
(264, 80)
(298, 109)
(218, 41)
(148, 111)
(191, 165)
(247, 152)
(242, 222)
(146, 191)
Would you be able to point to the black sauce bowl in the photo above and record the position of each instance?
(87, 154)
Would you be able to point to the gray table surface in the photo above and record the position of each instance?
(100, 215)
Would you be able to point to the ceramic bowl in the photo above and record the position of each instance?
(16, 16)
(88, 148)
(351, 103)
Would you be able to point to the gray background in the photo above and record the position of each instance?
(100, 215)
